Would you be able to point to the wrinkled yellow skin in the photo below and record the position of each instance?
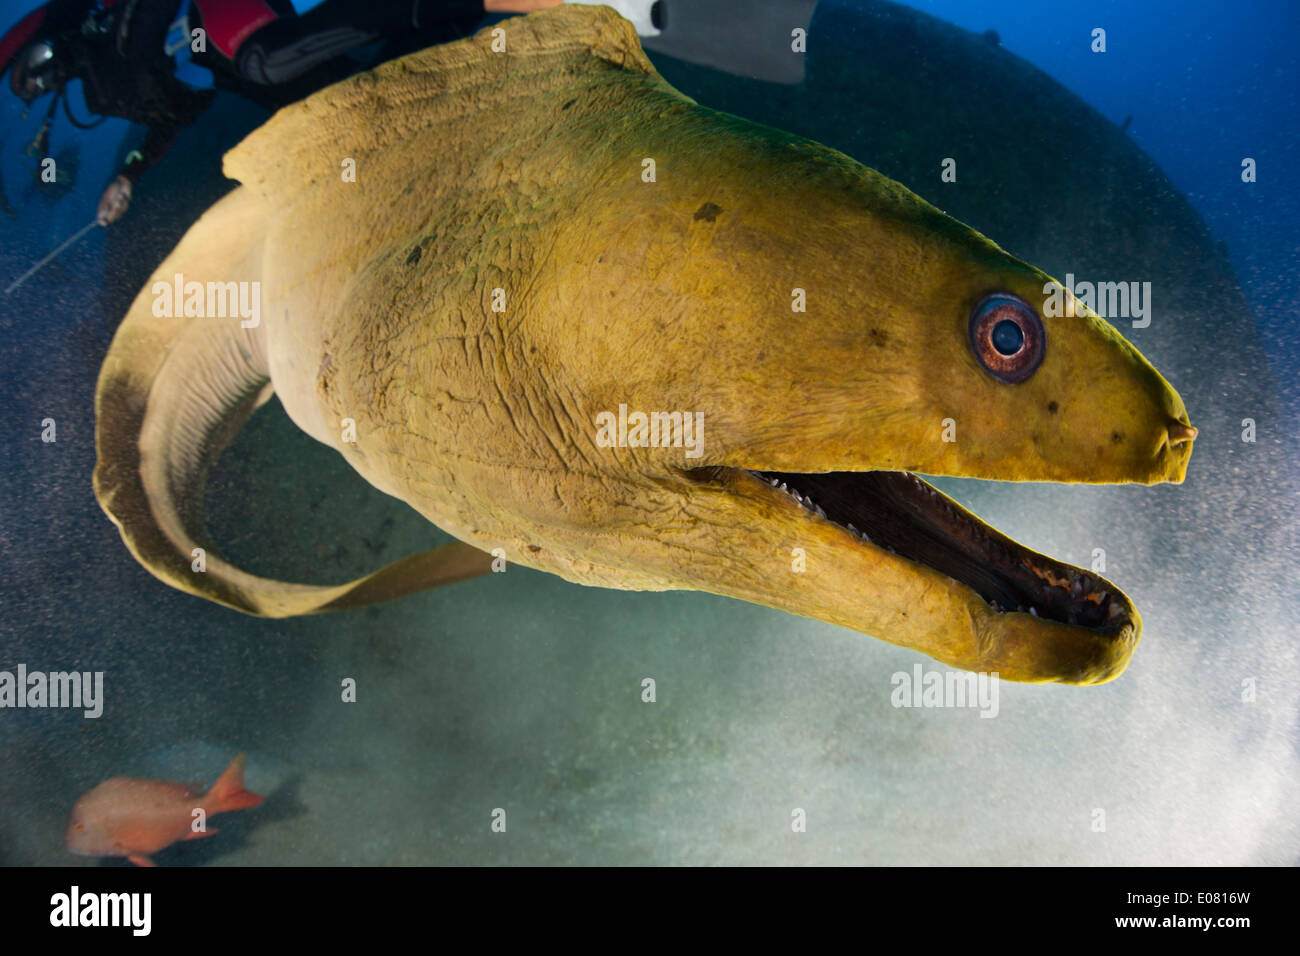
(522, 171)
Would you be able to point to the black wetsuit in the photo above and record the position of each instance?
(279, 53)
(127, 76)
(125, 71)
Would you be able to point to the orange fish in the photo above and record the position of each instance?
(131, 817)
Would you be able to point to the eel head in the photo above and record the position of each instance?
(833, 336)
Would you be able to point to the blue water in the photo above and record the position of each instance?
(522, 690)
(1207, 84)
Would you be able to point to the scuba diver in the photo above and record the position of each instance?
(124, 53)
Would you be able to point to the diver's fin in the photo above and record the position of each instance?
(172, 394)
(642, 14)
(754, 40)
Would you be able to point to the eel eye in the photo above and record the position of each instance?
(1007, 337)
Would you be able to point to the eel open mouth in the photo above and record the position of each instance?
(909, 517)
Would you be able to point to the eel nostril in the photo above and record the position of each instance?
(1179, 433)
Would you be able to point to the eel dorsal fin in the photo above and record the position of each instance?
(172, 394)
(466, 95)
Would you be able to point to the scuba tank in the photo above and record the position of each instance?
(178, 45)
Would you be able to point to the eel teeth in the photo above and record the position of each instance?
(1066, 594)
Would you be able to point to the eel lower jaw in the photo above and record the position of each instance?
(902, 514)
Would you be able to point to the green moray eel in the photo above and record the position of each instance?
(465, 257)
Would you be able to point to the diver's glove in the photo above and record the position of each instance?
(114, 202)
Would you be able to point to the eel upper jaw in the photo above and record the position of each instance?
(905, 515)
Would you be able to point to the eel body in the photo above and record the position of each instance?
(563, 311)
